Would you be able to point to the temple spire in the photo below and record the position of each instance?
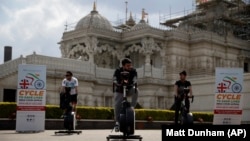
(94, 6)
(130, 21)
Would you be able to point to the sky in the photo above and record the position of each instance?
(37, 25)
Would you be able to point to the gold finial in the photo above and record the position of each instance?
(143, 14)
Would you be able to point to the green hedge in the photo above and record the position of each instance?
(7, 108)
(54, 112)
(160, 115)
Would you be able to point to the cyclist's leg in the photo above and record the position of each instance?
(177, 109)
(66, 104)
(62, 104)
(73, 101)
(117, 107)
(187, 104)
(134, 95)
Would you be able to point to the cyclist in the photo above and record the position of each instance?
(70, 83)
(132, 91)
(181, 94)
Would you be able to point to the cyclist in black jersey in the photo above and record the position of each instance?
(182, 88)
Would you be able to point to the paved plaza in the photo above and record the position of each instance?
(86, 135)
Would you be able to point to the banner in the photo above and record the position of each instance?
(206, 132)
(228, 98)
(31, 98)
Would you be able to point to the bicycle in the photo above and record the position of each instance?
(186, 117)
(127, 114)
(69, 115)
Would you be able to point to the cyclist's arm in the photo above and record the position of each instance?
(76, 89)
(62, 89)
(190, 91)
(134, 81)
(76, 86)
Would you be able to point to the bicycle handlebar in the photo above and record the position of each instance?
(192, 97)
(121, 85)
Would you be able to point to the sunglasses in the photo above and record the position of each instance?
(67, 75)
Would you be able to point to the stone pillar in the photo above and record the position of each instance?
(91, 44)
(163, 63)
(119, 54)
(148, 45)
(147, 59)
(91, 58)
(148, 66)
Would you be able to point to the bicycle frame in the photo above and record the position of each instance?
(184, 117)
(127, 114)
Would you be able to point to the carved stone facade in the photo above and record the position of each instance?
(93, 51)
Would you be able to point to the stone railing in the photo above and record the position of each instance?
(206, 35)
(157, 73)
(53, 63)
(215, 38)
(104, 73)
(115, 34)
(177, 34)
(63, 64)
(10, 67)
(108, 73)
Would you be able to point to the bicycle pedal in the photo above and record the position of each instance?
(116, 128)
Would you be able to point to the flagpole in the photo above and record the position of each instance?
(126, 11)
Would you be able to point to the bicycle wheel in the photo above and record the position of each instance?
(188, 119)
(122, 123)
(130, 120)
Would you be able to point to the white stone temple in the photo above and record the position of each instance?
(94, 48)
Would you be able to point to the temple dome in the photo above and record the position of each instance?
(141, 24)
(95, 20)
